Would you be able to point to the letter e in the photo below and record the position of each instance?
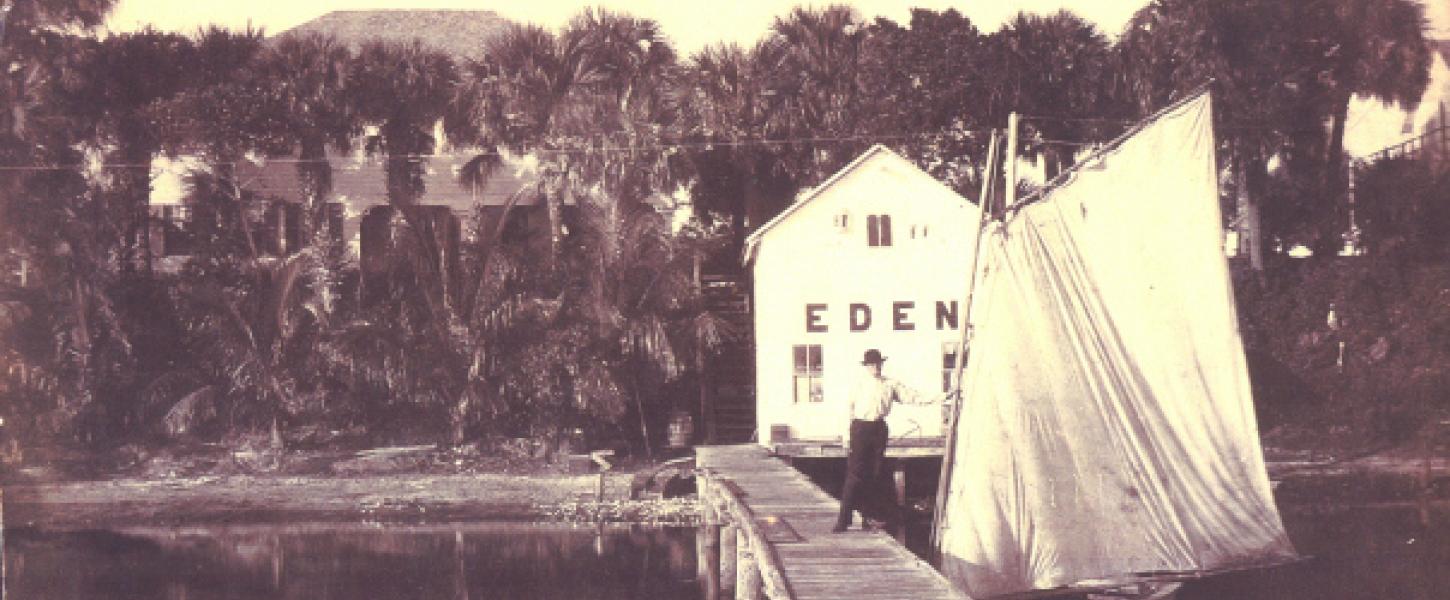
(814, 322)
(899, 318)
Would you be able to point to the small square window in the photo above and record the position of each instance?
(878, 230)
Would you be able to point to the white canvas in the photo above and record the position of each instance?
(1108, 429)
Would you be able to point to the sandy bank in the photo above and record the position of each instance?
(388, 498)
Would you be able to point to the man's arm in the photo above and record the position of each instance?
(907, 395)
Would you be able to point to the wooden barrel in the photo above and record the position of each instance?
(682, 428)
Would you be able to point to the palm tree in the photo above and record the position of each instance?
(594, 105)
(1058, 67)
(588, 103)
(67, 321)
(726, 96)
(929, 85)
(262, 321)
(1265, 75)
(310, 74)
(1377, 49)
(788, 110)
(405, 89)
(227, 109)
(814, 70)
(637, 307)
(120, 81)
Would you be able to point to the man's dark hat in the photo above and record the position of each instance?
(873, 357)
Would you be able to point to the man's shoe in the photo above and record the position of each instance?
(839, 528)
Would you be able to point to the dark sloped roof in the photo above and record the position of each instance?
(460, 33)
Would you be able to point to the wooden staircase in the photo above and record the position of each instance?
(730, 375)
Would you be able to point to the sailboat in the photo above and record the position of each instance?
(1106, 437)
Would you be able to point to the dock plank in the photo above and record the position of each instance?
(821, 564)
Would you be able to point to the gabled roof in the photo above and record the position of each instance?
(459, 33)
(752, 242)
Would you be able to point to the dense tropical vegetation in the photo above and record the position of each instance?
(597, 323)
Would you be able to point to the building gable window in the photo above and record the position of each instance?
(878, 230)
(808, 374)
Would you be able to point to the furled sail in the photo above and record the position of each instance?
(1108, 430)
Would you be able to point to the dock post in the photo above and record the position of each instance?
(729, 554)
(707, 543)
(747, 568)
(4, 585)
(898, 476)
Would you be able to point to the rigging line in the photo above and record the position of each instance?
(984, 208)
(1077, 119)
(1225, 128)
(1065, 143)
(1063, 177)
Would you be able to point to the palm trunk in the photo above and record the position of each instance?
(244, 219)
(315, 175)
(553, 203)
(81, 335)
(643, 424)
(754, 209)
(403, 179)
(134, 181)
(1334, 155)
(1249, 226)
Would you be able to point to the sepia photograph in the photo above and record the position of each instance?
(753, 300)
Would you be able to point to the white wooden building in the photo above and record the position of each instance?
(878, 256)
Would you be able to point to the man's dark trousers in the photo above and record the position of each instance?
(863, 471)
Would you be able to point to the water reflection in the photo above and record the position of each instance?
(1399, 552)
(1396, 552)
(1392, 552)
(463, 562)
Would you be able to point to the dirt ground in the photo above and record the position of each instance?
(403, 484)
(406, 498)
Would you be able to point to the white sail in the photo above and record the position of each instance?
(1108, 429)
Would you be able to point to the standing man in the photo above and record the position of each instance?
(869, 403)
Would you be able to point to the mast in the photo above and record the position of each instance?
(984, 199)
(1011, 159)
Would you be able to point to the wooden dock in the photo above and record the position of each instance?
(768, 530)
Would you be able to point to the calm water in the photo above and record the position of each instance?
(1394, 552)
(1354, 553)
(347, 562)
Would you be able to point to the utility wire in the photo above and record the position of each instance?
(380, 158)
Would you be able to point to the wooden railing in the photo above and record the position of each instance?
(734, 543)
(1438, 138)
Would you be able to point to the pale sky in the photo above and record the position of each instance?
(692, 24)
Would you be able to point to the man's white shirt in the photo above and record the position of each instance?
(871, 397)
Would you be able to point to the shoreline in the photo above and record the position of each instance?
(389, 499)
(415, 498)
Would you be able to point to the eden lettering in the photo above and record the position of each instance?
(858, 316)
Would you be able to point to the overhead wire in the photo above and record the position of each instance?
(666, 146)
(585, 149)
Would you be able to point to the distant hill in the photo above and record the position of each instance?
(460, 33)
